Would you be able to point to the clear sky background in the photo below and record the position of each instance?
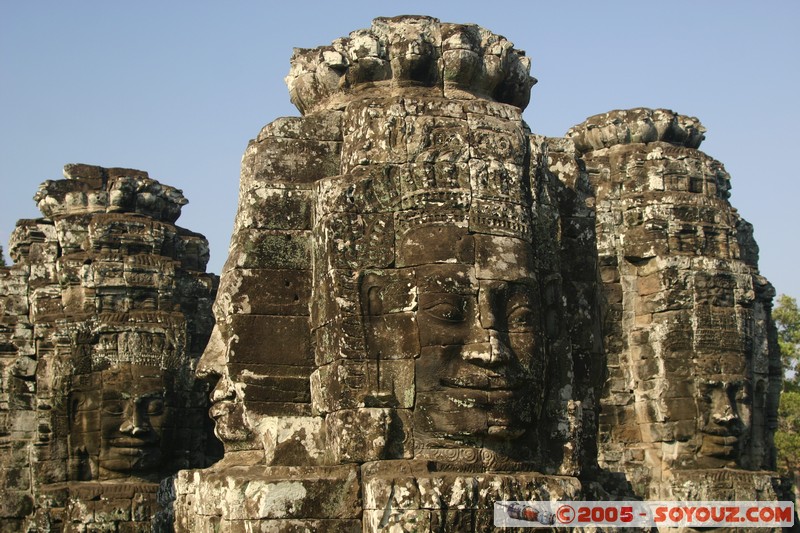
(178, 88)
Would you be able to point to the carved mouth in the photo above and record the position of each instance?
(720, 432)
(721, 447)
(129, 446)
(722, 440)
(505, 430)
(499, 383)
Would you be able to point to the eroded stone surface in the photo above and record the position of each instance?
(104, 315)
(426, 308)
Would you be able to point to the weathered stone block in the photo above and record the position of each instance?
(270, 249)
(355, 241)
(374, 133)
(342, 384)
(265, 292)
(370, 434)
(432, 243)
(110, 511)
(392, 336)
(289, 340)
(287, 492)
(284, 208)
(341, 338)
(284, 160)
(16, 503)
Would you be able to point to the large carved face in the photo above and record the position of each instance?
(718, 413)
(227, 404)
(121, 422)
(479, 372)
(724, 418)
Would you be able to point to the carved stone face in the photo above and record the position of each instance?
(725, 415)
(718, 420)
(133, 417)
(479, 374)
(477, 349)
(227, 405)
(121, 422)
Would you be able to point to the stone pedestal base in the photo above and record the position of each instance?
(720, 484)
(408, 496)
(267, 499)
(97, 506)
(395, 495)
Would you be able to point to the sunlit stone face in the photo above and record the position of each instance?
(227, 404)
(121, 422)
(724, 418)
(718, 414)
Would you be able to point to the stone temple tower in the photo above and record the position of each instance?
(690, 405)
(104, 315)
(427, 308)
(387, 316)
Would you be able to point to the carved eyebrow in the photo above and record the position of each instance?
(518, 305)
(455, 287)
(522, 283)
(426, 301)
(153, 395)
(739, 383)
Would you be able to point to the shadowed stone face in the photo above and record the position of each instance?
(121, 421)
(724, 405)
(134, 414)
(725, 418)
(118, 307)
(693, 370)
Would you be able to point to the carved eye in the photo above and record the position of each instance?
(520, 317)
(83, 403)
(113, 407)
(447, 311)
(155, 407)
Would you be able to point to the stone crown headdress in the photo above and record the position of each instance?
(639, 125)
(408, 51)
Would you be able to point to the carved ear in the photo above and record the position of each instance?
(72, 409)
(372, 285)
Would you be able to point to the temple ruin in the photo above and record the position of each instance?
(426, 308)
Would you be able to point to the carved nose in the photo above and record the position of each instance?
(490, 298)
(725, 416)
(135, 422)
(723, 411)
(490, 354)
(212, 362)
(501, 352)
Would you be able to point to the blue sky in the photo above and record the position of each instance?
(178, 88)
